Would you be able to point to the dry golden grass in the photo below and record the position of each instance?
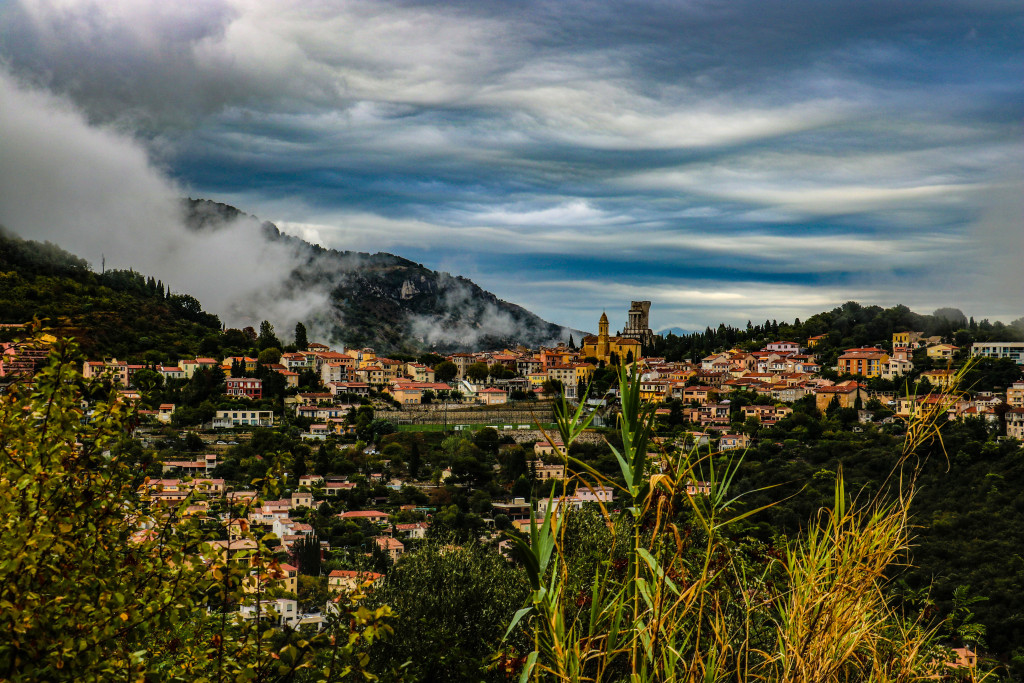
(674, 610)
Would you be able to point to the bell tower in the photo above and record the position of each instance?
(602, 337)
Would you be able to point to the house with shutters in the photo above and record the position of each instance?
(249, 387)
(1015, 423)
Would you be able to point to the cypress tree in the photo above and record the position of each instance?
(301, 343)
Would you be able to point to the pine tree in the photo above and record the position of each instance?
(268, 339)
(301, 343)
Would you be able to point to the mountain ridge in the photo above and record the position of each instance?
(389, 302)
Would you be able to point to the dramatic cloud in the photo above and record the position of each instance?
(684, 151)
(94, 192)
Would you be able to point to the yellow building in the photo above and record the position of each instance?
(584, 371)
(863, 362)
(364, 357)
(288, 575)
(942, 351)
(1015, 395)
(347, 581)
(905, 338)
(682, 375)
(655, 391)
(941, 380)
(602, 347)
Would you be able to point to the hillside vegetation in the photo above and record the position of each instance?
(117, 313)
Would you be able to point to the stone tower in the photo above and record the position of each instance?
(638, 323)
(602, 336)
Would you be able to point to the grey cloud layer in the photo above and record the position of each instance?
(93, 191)
(845, 143)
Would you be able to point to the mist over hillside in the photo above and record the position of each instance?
(94, 191)
(383, 300)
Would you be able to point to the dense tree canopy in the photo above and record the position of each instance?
(445, 371)
(455, 604)
(117, 313)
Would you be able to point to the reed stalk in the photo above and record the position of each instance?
(683, 603)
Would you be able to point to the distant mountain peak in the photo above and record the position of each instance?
(388, 302)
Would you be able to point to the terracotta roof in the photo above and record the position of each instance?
(349, 574)
(837, 389)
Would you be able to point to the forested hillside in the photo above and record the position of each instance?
(117, 313)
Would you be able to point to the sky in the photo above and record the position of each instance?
(749, 159)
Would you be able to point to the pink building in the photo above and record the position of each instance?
(245, 386)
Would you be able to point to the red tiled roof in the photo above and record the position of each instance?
(349, 574)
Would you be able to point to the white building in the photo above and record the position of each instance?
(603, 494)
(280, 612)
(1012, 350)
(236, 417)
(783, 347)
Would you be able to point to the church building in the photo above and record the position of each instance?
(608, 349)
(629, 344)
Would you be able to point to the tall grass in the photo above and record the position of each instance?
(678, 600)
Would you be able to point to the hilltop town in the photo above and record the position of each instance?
(379, 456)
(321, 388)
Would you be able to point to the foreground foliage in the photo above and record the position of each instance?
(95, 584)
(680, 599)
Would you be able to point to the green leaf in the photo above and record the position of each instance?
(516, 618)
(531, 661)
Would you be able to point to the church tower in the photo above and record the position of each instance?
(602, 337)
